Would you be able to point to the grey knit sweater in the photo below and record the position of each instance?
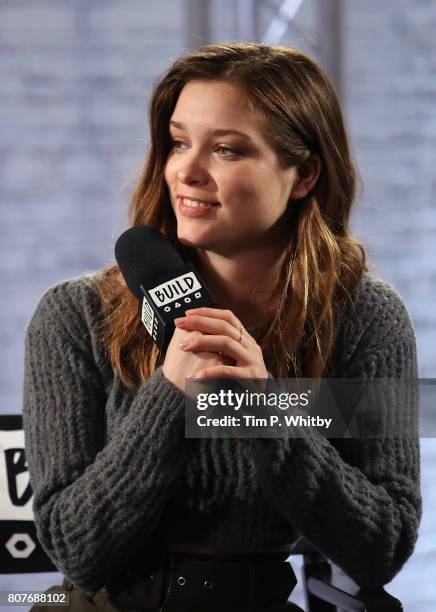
(103, 508)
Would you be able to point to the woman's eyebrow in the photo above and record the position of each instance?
(181, 126)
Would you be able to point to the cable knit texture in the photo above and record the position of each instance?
(113, 475)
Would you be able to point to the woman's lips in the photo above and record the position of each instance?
(198, 211)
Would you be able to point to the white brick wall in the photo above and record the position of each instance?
(390, 100)
(75, 80)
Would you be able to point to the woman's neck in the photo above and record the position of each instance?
(243, 283)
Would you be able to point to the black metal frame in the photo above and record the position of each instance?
(327, 590)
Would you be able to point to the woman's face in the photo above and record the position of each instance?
(221, 160)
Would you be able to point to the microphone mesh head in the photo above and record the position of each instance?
(143, 254)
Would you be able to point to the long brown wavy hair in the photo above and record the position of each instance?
(300, 112)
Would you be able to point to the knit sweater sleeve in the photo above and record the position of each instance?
(358, 501)
(92, 503)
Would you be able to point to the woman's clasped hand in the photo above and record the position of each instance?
(212, 343)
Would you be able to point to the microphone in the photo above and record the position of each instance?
(164, 284)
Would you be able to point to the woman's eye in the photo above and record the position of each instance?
(224, 150)
(227, 151)
(175, 144)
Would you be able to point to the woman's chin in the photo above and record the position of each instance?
(194, 241)
(216, 241)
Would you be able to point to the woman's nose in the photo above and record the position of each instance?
(192, 170)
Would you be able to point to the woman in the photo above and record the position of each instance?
(249, 175)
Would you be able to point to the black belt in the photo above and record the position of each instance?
(199, 583)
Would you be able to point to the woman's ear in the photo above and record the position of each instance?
(308, 174)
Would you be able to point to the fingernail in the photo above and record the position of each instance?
(184, 345)
(180, 322)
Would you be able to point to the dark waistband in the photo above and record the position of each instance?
(200, 551)
(229, 555)
(188, 581)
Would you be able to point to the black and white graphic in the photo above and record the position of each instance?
(20, 550)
